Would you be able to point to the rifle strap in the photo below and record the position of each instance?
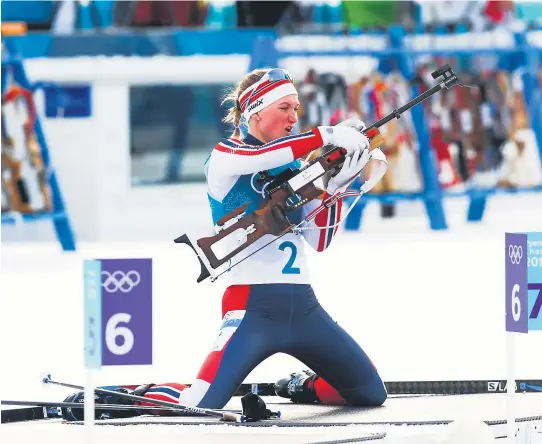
(380, 168)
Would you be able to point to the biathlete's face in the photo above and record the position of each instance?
(278, 119)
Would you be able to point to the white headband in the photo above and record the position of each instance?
(265, 92)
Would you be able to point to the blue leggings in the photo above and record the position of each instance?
(261, 320)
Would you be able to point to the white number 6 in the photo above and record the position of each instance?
(112, 331)
(516, 304)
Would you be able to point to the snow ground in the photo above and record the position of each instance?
(425, 305)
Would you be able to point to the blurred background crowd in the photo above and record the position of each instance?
(479, 136)
(67, 16)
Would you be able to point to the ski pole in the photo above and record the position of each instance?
(226, 416)
(76, 405)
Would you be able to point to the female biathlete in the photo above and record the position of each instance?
(269, 305)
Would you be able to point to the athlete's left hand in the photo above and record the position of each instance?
(351, 168)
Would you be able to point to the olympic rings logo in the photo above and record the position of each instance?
(515, 253)
(120, 281)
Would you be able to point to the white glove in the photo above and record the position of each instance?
(353, 122)
(345, 137)
(351, 168)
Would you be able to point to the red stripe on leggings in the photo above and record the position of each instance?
(210, 366)
(160, 396)
(326, 393)
(235, 298)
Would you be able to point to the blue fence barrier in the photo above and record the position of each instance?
(13, 65)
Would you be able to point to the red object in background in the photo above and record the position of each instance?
(15, 92)
(496, 10)
(338, 116)
(448, 176)
(311, 77)
(166, 13)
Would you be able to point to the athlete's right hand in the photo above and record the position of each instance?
(345, 137)
(351, 168)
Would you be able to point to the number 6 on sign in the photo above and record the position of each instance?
(118, 312)
(127, 311)
(112, 332)
(516, 282)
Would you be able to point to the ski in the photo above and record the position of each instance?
(450, 387)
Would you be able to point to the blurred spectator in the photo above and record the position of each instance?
(284, 16)
(322, 15)
(479, 15)
(379, 96)
(314, 110)
(335, 90)
(147, 13)
(449, 13)
(468, 127)
(521, 165)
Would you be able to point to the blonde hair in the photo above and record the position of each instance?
(232, 96)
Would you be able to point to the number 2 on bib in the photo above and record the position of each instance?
(289, 268)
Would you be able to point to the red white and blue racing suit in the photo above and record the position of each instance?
(269, 305)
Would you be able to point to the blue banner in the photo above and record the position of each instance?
(93, 314)
(534, 276)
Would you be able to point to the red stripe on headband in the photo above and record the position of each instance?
(247, 94)
(263, 91)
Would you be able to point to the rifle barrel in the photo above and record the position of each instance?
(396, 113)
(450, 79)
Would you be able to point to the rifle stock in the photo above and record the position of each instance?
(204, 272)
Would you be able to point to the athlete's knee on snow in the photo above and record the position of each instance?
(373, 394)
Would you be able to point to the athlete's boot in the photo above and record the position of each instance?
(298, 387)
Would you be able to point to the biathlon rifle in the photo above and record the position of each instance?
(290, 190)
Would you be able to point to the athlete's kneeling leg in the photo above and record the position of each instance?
(346, 375)
(247, 337)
